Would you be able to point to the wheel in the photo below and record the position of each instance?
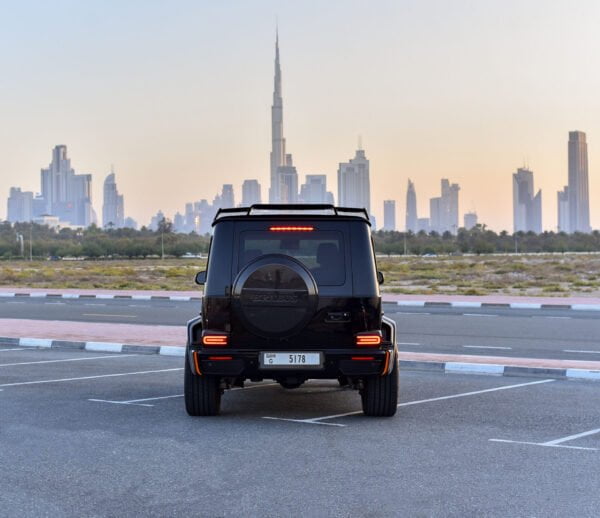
(343, 381)
(202, 394)
(380, 394)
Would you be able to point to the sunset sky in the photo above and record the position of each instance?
(177, 94)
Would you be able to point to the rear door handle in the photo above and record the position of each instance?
(339, 317)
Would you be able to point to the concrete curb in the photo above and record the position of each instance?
(500, 370)
(403, 303)
(417, 365)
(499, 305)
(102, 347)
(180, 298)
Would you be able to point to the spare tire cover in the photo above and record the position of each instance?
(274, 296)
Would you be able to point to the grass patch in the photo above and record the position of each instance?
(530, 275)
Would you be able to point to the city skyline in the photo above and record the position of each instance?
(177, 128)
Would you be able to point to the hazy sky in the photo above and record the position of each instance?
(177, 94)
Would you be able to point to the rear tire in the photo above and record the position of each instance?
(202, 394)
(380, 394)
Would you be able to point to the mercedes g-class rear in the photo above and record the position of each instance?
(291, 294)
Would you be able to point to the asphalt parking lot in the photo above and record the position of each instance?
(90, 434)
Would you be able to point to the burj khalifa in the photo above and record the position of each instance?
(278, 158)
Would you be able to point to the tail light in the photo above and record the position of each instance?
(363, 358)
(214, 339)
(369, 339)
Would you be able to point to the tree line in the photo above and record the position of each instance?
(23, 240)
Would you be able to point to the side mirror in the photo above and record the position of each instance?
(380, 278)
(201, 278)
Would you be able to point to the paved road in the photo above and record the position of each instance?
(87, 434)
(540, 333)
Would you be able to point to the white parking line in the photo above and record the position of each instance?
(15, 349)
(486, 347)
(93, 304)
(88, 377)
(15, 302)
(582, 352)
(478, 315)
(138, 402)
(557, 443)
(542, 444)
(69, 360)
(408, 343)
(107, 315)
(134, 402)
(317, 420)
(60, 303)
(571, 437)
(559, 318)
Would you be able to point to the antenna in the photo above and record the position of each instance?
(360, 143)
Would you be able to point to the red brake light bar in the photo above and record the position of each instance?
(291, 229)
(369, 339)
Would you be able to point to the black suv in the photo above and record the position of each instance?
(291, 294)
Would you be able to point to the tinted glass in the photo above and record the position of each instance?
(322, 252)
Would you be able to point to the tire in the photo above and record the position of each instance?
(202, 394)
(380, 394)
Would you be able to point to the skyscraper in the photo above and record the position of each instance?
(470, 220)
(562, 198)
(287, 182)
(278, 155)
(449, 206)
(579, 200)
(314, 190)
(227, 198)
(443, 210)
(178, 222)
(66, 194)
(250, 193)
(354, 188)
(527, 208)
(435, 215)
(389, 214)
(113, 210)
(19, 206)
(411, 209)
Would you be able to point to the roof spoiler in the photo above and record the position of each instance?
(291, 209)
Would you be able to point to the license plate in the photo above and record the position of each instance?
(290, 360)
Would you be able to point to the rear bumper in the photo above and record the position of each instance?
(340, 362)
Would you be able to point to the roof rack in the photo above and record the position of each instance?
(291, 209)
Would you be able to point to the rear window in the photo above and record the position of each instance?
(322, 252)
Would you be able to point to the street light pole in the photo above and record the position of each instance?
(21, 247)
(31, 241)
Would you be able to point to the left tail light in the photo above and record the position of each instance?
(214, 339)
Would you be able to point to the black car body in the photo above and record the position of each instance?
(291, 294)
